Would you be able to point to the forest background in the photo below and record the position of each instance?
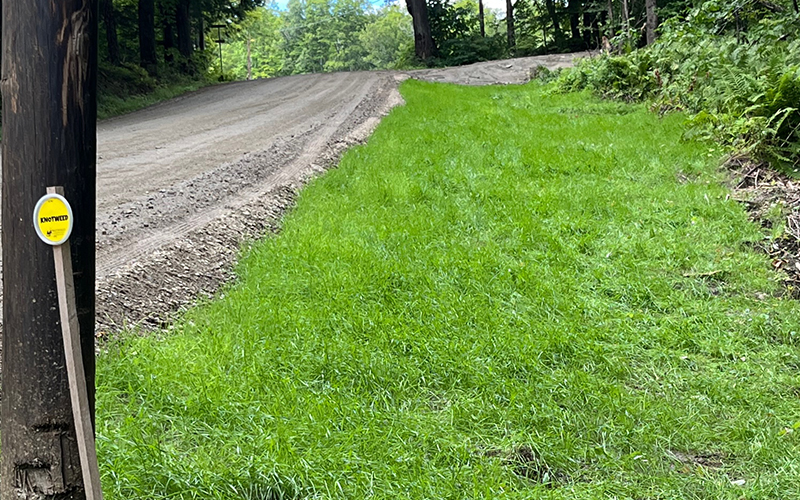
(732, 65)
(170, 46)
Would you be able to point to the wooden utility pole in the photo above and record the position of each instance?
(49, 79)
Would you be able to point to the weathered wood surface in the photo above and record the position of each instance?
(49, 60)
(71, 334)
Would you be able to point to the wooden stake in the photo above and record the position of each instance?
(70, 331)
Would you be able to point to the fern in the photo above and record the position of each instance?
(743, 91)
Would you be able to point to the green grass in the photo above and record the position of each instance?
(498, 269)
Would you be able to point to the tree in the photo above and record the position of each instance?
(651, 22)
(510, 24)
(387, 39)
(574, 9)
(626, 18)
(551, 10)
(147, 35)
(183, 21)
(168, 39)
(481, 18)
(109, 19)
(423, 41)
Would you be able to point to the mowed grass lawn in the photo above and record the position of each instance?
(504, 294)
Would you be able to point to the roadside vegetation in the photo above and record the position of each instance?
(123, 90)
(506, 293)
(153, 49)
(733, 66)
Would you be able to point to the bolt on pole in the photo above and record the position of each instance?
(49, 79)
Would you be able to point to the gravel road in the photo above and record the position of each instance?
(182, 185)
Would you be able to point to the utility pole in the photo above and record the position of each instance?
(49, 80)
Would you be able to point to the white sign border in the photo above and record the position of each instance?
(36, 209)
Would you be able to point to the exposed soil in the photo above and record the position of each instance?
(692, 460)
(183, 184)
(772, 198)
(526, 463)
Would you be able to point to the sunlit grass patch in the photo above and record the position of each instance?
(505, 293)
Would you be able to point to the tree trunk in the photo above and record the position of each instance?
(574, 8)
(201, 33)
(184, 23)
(249, 60)
(512, 37)
(626, 18)
(110, 21)
(590, 30)
(557, 35)
(482, 19)
(148, 59)
(652, 21)
(424, 46)
(544, 37)
(169, 40)
(610, 23)
(49, 81)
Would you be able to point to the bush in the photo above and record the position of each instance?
(124, 80)
(471, 49)
(739, 80)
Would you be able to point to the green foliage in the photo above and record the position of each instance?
(133, 90)
(740, 85)
(124, 80)
(262, 27)
(388, 40)
(531, 28)
(504, 294)
(455, 28)
(126, 88)
(320, 36)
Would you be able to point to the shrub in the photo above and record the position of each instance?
(733, 67)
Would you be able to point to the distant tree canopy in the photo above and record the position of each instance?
(175, 37)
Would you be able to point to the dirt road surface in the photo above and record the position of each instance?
(183, 184)
(509, 71)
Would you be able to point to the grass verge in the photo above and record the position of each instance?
(504, 294)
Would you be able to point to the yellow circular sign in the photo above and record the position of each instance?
(52, 219)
